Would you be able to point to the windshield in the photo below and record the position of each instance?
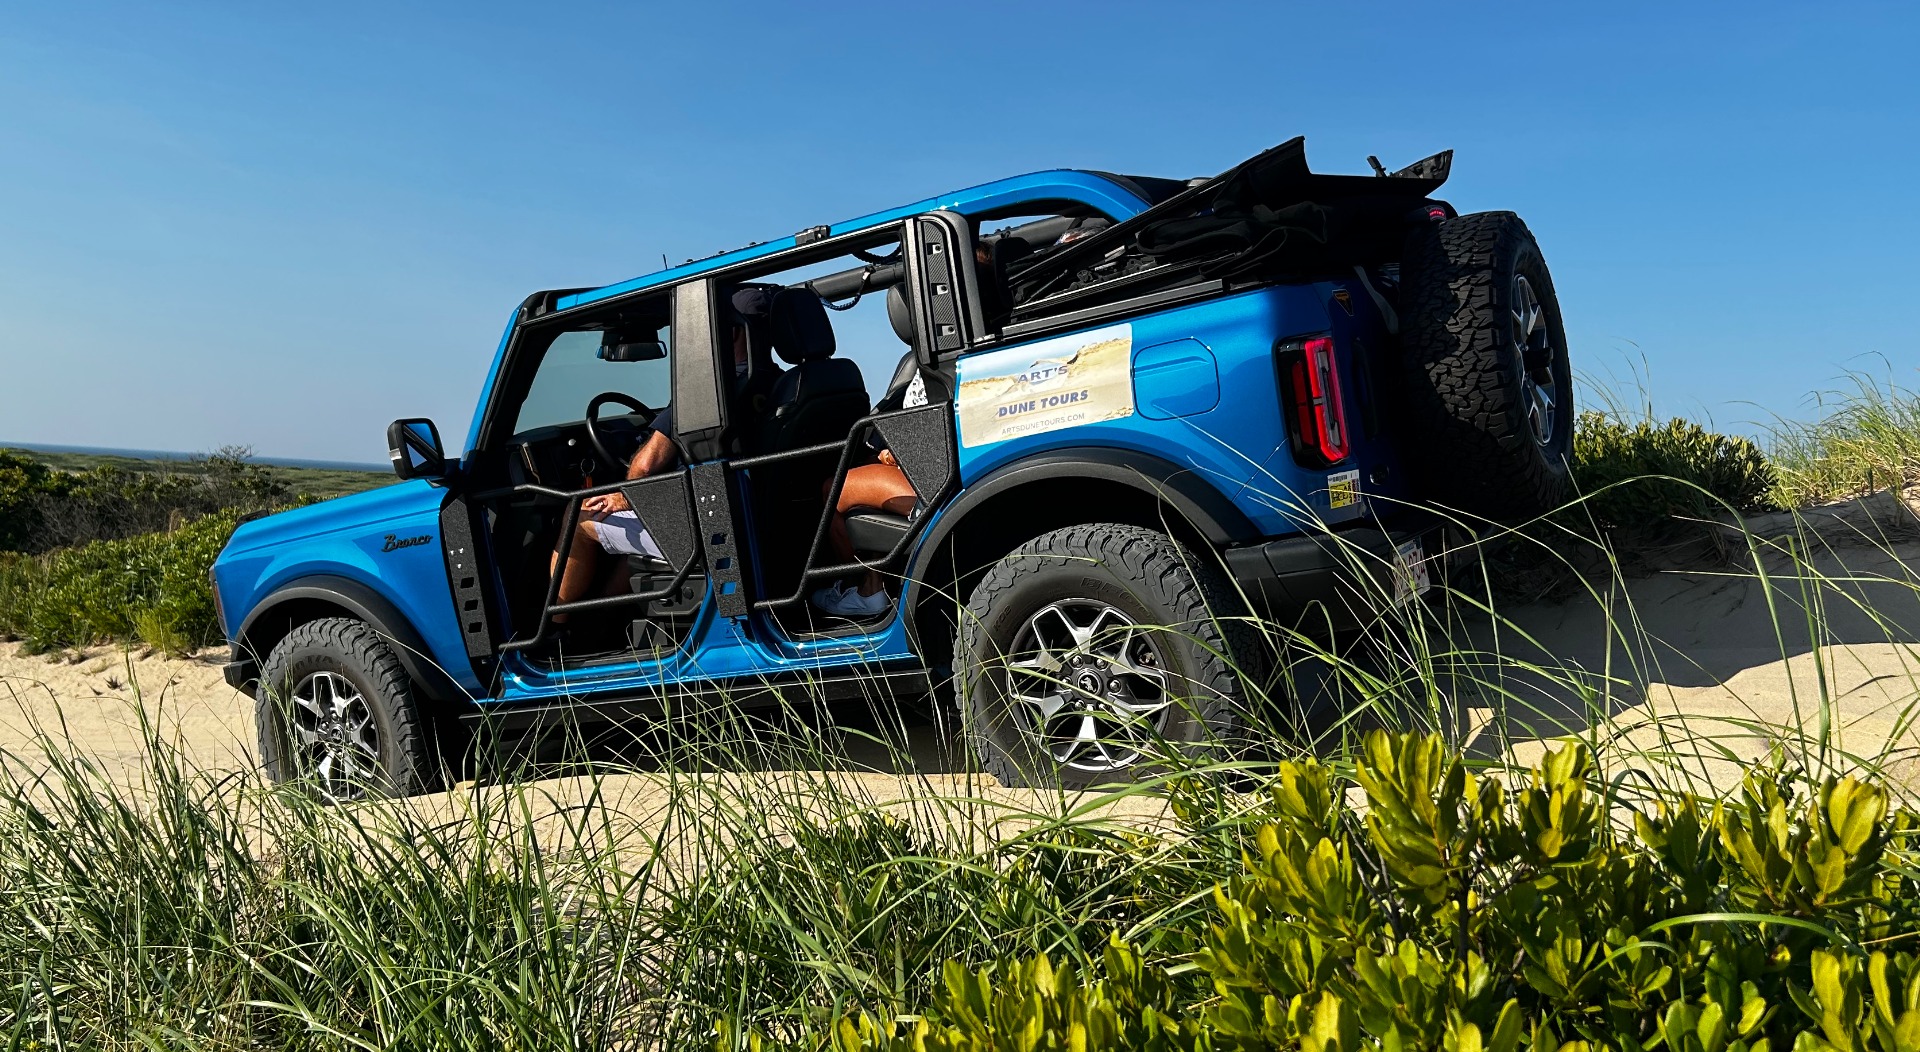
(571, 373)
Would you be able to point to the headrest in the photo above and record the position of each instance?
(751, 305)
(899, 315)
(1006, 250)
(798, 323)
(752, 302)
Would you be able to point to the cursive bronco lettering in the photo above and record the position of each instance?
(394, 544)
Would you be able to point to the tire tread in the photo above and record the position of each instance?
(359, 643)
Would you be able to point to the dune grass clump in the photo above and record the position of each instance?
(1867, 438)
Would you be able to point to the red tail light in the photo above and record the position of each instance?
(1317, 415)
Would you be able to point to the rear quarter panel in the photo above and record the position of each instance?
(1195, 385)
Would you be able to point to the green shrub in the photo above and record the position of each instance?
(42, 508)
(25, 485)
(23, 580)
(154, 586)
(1455, 914)
(1640, 475)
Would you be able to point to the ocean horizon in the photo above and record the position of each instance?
(165, 454)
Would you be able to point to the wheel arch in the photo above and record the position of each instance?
(326, 595)
(1038, 494)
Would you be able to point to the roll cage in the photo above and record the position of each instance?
(694, 511)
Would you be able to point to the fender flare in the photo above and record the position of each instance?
(367, 604)
(1184, 490)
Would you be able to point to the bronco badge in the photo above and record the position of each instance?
(394, 544)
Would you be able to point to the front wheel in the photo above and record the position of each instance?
(336, 711)
(1095, 653)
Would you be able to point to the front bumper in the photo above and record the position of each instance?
(242, 673)
(1346, 577)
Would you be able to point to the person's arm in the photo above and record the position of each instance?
(657, 454)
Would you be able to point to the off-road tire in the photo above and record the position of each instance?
(1473, 448)
(353, 650)
(1148, 576)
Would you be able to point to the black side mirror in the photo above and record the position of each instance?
(615, 348)
(414, 448)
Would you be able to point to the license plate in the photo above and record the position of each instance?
(1410, 577)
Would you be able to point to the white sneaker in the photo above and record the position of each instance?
(842, 601)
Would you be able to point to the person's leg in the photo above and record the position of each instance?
(618, 579)
(582, 557)
(881, 486)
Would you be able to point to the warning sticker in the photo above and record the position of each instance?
(1059, 383)
(1343, 489)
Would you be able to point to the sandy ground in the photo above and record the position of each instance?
(1811, 635)
(1724, 652)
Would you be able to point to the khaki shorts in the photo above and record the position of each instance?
(622, 533)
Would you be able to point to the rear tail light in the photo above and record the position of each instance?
(1316, 412)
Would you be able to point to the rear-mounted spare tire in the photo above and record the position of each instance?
(1488, 384)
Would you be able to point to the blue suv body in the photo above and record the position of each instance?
(1209, 371)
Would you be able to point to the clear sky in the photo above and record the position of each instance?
(284, 225)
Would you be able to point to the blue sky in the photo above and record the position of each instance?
(285, 225)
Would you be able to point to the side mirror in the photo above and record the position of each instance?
(614, 348)
(414, 448)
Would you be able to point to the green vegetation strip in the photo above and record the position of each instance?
(1460, 907)
(98, 547)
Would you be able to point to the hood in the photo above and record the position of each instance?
(354, 511)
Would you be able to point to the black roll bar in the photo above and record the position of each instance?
(564, 545)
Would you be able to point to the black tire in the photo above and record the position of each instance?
(1149, 579)
(1469, 385)
(316, 657)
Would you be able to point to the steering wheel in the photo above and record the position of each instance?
(593, 423)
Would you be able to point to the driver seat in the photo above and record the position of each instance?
(821, 397)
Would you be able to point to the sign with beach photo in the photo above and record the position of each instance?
(1064, 382)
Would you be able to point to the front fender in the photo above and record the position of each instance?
(376, 555)
(359, 600)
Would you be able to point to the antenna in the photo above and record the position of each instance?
(1378, 168)
(663, 261)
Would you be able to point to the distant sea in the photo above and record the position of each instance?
(162, 454)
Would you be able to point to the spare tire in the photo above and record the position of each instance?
(1489, 388)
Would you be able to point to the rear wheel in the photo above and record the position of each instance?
(1092, 653)
(1489, 385)
(336, 711)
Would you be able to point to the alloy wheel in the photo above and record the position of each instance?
(335, 734)
(1539, 391)
(1089, 684)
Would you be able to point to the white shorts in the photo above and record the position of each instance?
(622, 534)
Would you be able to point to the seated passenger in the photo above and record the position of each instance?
(880, 485)
(607, 522)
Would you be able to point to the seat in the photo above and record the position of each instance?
(663, 623)
(821, 397)
(996, 301)
(874, 532)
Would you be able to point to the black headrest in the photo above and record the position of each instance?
(1006, 250)
(898, 314)
(799, 326)
(752, 305)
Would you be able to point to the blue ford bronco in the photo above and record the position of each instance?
(1141, 409)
